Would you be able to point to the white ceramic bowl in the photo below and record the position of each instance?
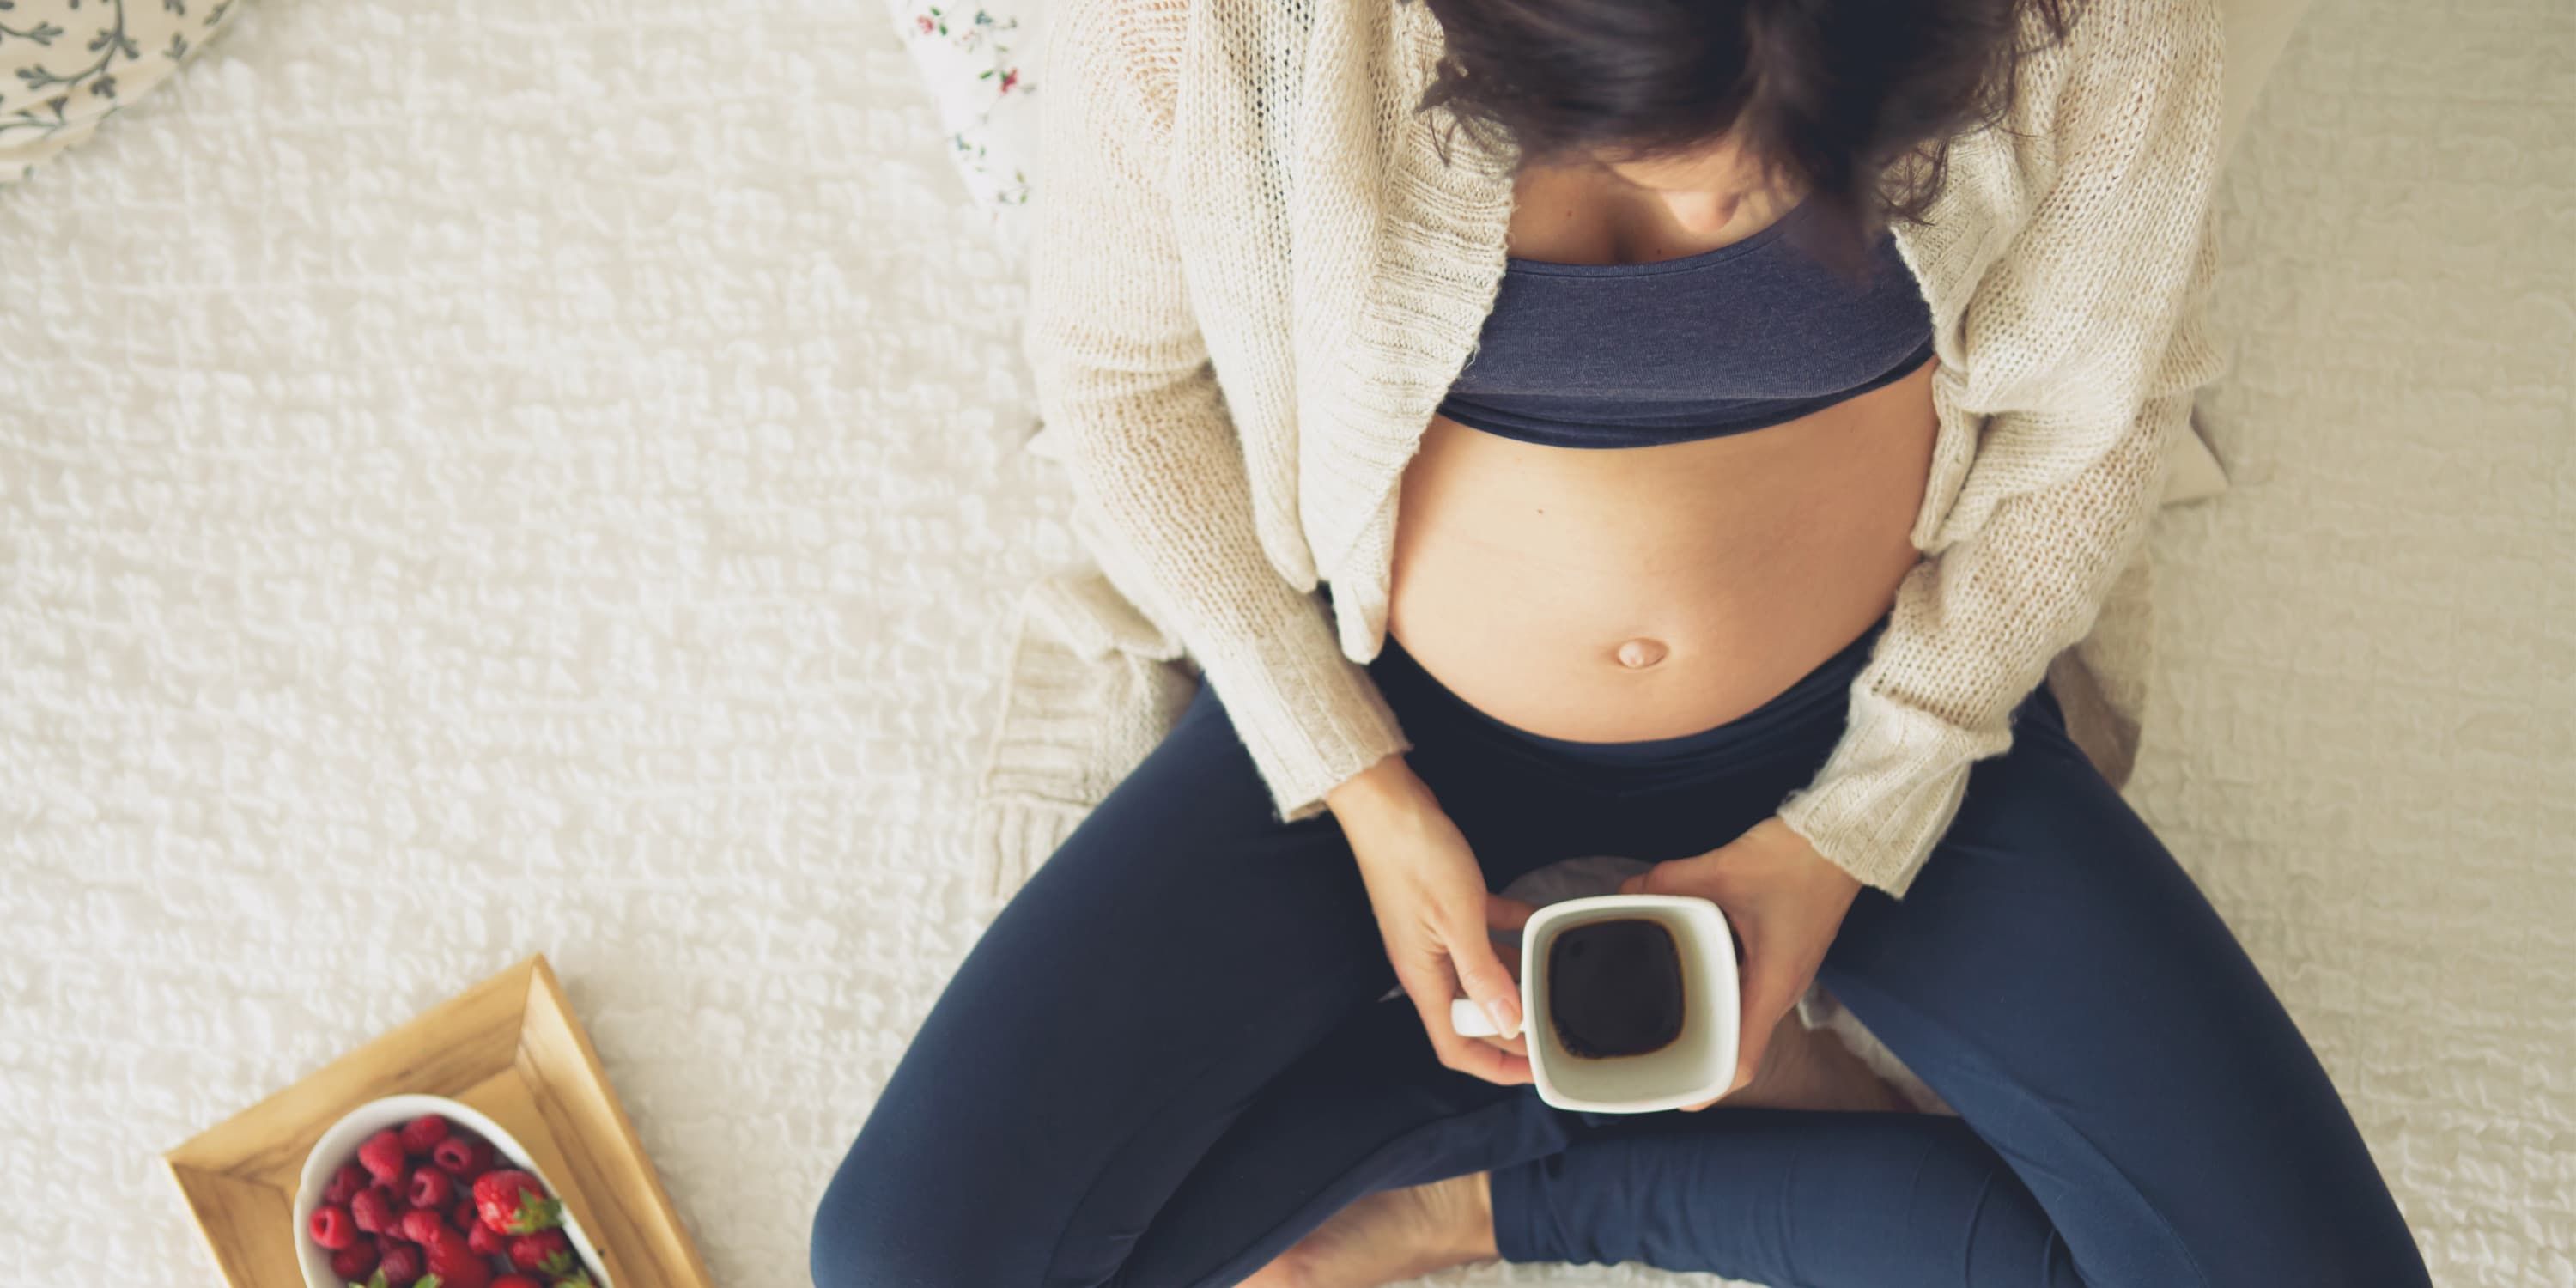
(340, 1145)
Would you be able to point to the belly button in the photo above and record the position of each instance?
(1641, 653)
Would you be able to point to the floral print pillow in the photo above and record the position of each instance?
(978, 59)
(66, 65)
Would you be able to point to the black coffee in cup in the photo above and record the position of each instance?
(1614, 987)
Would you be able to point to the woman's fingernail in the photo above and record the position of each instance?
(1501, 1016)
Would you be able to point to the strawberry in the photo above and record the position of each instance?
(547, 1252)
(345, 1184)
(420, 1226)
(516, 1281)
(513, 1202)
(462, 1156)
(454, 1262)
(421, 1135)
(332, 1228)
(354, 1261)
(485, 1240)
(382, 1156)
(401, 1264)
(431, 1188)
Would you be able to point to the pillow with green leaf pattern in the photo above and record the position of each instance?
(66, 65)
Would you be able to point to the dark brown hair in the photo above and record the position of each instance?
(1853, 102)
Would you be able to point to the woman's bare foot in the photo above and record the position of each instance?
(1804, 1068)
(1391, 1236)
(1395, 1235)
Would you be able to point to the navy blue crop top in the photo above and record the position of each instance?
(1729, 340)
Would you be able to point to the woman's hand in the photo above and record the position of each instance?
(1785, 903)
(1435, 914)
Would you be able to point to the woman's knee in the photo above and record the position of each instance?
(919, 1197)
(848, 1243)
(879, 1227)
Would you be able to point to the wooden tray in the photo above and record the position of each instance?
(508, 1046)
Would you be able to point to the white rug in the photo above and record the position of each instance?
(479, 478)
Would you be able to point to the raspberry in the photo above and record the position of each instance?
(401, 1264)
(462, 1156)
(431, 1188)
(420, 1226)
(463, 1217)
(547, 1252)
(332, 1228)
(374, 1210)
(345, 1184)
(485, 1240)
(382, 1156)
(516, 1281)
(351, 1264)
(421, 1135)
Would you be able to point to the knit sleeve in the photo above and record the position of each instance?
(1123, 375)
(2083, 345)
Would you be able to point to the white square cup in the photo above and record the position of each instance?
(1696, 1066)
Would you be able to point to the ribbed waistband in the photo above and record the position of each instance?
(1816, 704)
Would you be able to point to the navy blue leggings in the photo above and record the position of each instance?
(1167, 1059)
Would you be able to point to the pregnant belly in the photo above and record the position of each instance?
(1632, 593)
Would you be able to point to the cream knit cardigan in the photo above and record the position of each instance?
(1253, 278)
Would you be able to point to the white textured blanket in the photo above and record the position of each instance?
(479, 477)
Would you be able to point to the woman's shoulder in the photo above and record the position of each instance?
(1126, 50)
(1139, 61)
(2117, 57)
(1245, 41)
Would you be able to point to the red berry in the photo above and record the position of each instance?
(463, 1217)
(485, 1240)
(462, 1156)
(452, 1259)
(421, 1225)
(516, 1281)
(421, 1135)
(382, 1156)
(332, 1228)
(401, 1264)
(345, 1184)
(351, 1264)
(374, 1210)
(547, 1252)
(431, 1188)
(514, 1202)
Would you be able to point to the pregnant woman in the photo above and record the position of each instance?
(1678, 429)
